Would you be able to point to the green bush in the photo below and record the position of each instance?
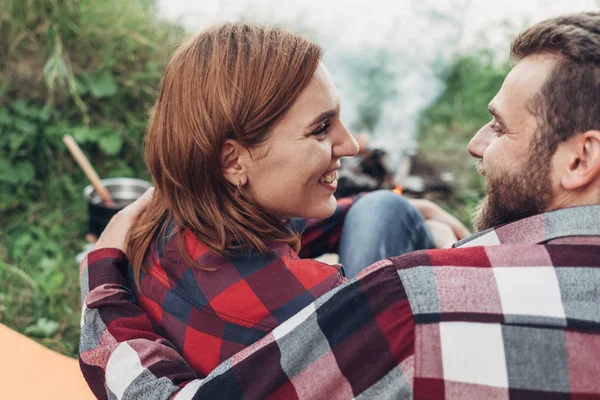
(80, 67)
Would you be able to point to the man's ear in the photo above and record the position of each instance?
(584, 163)
(232, 162)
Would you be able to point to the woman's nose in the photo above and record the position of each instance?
(346, 146)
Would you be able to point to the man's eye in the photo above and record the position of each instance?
(321, 130)
(496, 127)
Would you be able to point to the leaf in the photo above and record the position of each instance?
(54, 132)
(20, 107)
(20, 246)
(83, 134)
(24, 126)
(5, 168)
(102, 85)
(80, 134)
(5, 118)
(111, 144)
(48, 264)
(81, 86)
(8, 201)
(22, 172)
(43, 328)
(16, 141)
(53, 282)
(45, 114)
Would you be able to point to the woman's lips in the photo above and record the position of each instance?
(329, 177)
(330, 180)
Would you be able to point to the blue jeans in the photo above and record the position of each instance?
(379, 225)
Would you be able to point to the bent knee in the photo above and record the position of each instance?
(388, 203)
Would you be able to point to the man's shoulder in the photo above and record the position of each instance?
(494, 318)
(466, 257)
(525, 255)
(532, 283)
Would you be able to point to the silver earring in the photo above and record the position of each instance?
(239, 188)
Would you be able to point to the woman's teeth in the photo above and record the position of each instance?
(329, 178)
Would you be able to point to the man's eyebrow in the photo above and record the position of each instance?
(325, 115)
(496, 115)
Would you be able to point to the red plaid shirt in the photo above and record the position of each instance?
(209, 315)
(513, 313)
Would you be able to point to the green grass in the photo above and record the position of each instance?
(80, 67)
(39, 293)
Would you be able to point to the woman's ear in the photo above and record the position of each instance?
(232, 162)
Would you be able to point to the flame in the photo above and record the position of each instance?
(398, 189)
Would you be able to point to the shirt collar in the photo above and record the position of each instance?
(572, 221)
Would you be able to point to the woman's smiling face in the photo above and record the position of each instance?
(294, 174)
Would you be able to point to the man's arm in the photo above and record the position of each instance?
(356, 339)
(120, 351)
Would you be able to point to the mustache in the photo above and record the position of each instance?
(480, 168)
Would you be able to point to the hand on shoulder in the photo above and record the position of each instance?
(115, 232)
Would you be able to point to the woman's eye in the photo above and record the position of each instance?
(321, 130)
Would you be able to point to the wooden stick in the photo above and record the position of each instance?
(89, 171)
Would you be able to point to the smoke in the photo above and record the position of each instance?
(393, 76)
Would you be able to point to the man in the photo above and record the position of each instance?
(511, 312)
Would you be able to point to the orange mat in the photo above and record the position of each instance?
(29, 370)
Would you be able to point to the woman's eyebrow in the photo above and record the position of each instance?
(325, 115)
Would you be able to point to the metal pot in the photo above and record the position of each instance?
(123, 191)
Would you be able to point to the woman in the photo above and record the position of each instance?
(243, 145)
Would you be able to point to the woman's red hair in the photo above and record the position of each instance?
(236, 81)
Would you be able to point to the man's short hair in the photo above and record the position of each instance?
(569, 101)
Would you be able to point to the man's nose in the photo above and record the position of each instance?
(480, 142)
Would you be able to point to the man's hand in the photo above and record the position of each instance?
(115, 232)
(445, 228)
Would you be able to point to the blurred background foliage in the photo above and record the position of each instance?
(81, 67)
(445, 128)
(91, 69)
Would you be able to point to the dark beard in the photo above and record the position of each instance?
(512, 197)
